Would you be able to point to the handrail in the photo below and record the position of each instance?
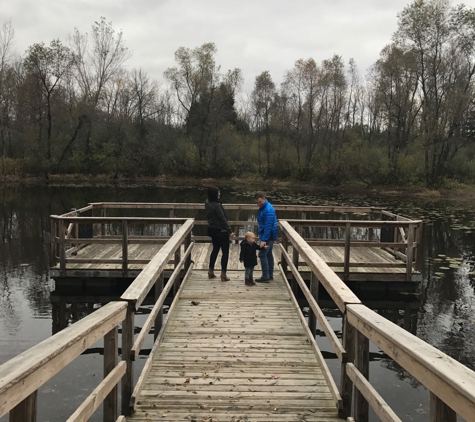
(21, 376)
(452, 385)
(331, 336)
(338, 290)
(149, 362)
(191, 205)
(318, 354)
(158, 305)
(137, 291)
(354, 223)
(453, 382)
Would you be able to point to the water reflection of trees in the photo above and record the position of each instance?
(446, 317)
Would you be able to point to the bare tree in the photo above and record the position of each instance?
(6, 45)
(262, 98)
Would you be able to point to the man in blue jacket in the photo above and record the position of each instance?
(267, 221)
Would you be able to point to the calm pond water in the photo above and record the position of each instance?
(441, 313)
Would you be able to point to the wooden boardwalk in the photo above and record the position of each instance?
(235, 353)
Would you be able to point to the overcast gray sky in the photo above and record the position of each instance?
(253, 35)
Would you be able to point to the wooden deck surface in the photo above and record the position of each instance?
(234, 353)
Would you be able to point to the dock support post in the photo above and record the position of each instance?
(312, 318)
(128, 327)
(25, 411)
(439, 411)
(346, 385)
(362, 364)
(111, 343)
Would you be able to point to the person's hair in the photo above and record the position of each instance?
(249, 234)
(213, 193)
(259, 194)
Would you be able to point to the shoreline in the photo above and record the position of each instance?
(458, 194)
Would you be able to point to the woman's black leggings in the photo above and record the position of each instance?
(221, 241)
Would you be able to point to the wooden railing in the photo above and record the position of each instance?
(21, 377)
(406, 244)
(451, 384)
(368, 227)
(151, 275)
(65, 240)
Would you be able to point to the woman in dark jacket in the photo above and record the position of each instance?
(219, 231)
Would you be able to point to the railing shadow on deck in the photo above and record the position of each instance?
(451, 384)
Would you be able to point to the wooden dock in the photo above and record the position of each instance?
(366, 264)
(227, 352)
(235, 353)
(359, 244)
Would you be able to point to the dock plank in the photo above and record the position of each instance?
(231, 353)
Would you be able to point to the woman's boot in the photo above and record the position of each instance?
(224, 278)
(211, 274)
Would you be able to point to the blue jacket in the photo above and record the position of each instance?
(267, 221)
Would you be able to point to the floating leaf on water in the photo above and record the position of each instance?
(454, 266)
(438, 273)
(444, 268)
(442, 255)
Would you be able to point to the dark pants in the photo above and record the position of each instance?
(221, 241)
(249, 273)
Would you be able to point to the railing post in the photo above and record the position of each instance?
(295, 261)
(312, 318)
(285, 244)
(236, 228)
(346, 270)
(177, 282)
(62, 251)
(346, 385)
(370, 229)
(128, 327)
(125, 241)
(171, 214)
(111, 343)
(25, 411)
(439, 411)
(53, 249)
(362, 364)
(159, 317)
(417, 249)
(103, 226)
(187, 244)
(409, 252)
